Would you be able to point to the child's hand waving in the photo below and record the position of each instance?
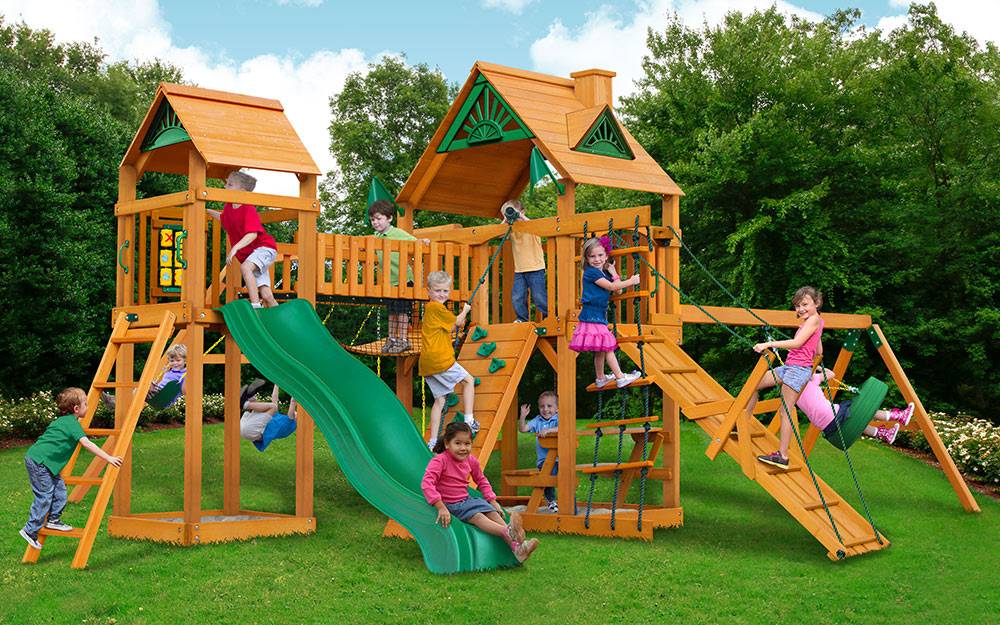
(525, 411)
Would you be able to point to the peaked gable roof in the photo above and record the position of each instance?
(477, 179)
(228, 130)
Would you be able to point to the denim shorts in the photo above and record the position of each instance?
(469, 507)
(794, 376)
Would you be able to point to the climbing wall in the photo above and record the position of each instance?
(707, 403)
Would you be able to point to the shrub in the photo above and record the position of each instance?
(28, 417)
(974, 444)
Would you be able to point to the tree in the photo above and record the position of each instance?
(66, 118)
(380, 124)
(821, 153)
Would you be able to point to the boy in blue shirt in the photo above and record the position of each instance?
(545, 423)
(47, 457)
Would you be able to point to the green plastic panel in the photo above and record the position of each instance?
(485, 117)
(873, 335)
(852, 340)
(538, 170)
(378, 191)
(863, 408)
(165, 130)
(605, 138)
(369, 432)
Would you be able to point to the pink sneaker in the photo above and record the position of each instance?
(888, 435)
(902, 415)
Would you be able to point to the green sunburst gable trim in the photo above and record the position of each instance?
(485, 117)
(165, 130)
(605, 138)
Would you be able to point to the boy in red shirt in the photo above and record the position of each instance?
(249, 243)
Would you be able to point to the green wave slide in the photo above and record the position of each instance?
(373, 439)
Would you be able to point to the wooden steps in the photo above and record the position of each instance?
(611, 467)
(610, 386)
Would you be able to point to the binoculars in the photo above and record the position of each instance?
(510, 214)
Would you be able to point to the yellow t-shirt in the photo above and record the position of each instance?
(437, 353)
(527, 251)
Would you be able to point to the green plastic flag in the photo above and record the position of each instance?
(539, 169)
(378, 191)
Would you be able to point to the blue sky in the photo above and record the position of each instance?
(449, 35)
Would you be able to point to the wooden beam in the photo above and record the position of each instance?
(925, 424)
(170, 200)
(776, 318)
(425, 181)
(305, 204)
(545, 347)
(193, 291)
(566, 358)
(308, 279)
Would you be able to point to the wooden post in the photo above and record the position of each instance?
(404, 382)
(125, 362)
(925, 424)
(671, 452)
(308, 277)
(566, 286)
(508, 448)
(193, 292)
(671, 217)
(231, 430)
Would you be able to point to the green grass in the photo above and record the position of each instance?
(740, 558)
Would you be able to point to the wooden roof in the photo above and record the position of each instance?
(229, 130)
(477, 180)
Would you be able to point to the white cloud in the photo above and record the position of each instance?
(136, 29)
(977, 18)
(512, 6)
(608, 41)
(300, 3)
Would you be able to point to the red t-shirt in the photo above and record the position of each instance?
(238, 221)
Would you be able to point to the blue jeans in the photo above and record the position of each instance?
(50, 496)
(550, 493)
(535, 281)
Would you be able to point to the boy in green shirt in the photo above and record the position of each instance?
(47, 457)
(380, 214)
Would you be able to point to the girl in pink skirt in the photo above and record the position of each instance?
(592, 334)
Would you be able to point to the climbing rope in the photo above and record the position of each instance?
(460, 336)
(768, 328)
(593, 477)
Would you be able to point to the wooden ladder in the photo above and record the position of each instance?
(122, 334)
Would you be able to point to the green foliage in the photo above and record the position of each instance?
(65, 125)
(821, 153)
(381, 121)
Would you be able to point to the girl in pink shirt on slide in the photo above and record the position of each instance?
(445, 487)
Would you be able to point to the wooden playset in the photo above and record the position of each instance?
(492, 143)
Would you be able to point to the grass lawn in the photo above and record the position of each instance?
(740, 558)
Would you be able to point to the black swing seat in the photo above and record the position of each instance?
(862, 409)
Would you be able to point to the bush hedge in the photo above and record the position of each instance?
(28, 417)
(974, 444)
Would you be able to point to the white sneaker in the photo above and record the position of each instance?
(604, 379)
(472, 423)
(58, 526)
(553, 507)
(256, 305)
(627, 379)
(430, 445)
(31, 541)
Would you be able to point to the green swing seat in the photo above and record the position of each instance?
(165, 396)
(863, 408)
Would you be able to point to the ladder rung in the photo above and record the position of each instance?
(792, 468)
(816, 505)
(101, 431)
(610, 386)
(860, 541)
(76, 532)
(115, 384)
(643, 339)
(735, 434)
(79, 479)
(146, 335)
(612, 467)
(615, 423)
(629, 295)
(628, 431)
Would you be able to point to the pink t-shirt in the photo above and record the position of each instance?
(238, 222)
(803, 356)
(447, 479)
(813, 402)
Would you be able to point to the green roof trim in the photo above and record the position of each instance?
(484, 118)
(538, 170)
(605, 138)
(165, 130)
